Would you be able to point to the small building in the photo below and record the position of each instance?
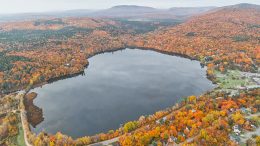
(164, 119)
(208, 58)
(161, 121)
(236, 130)
(171, 141)
(219, 98)
(157, 121)
(67, 64)
(245, 110)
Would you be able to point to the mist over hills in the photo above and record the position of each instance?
(120, 11)
(126, 11)
(244, 6)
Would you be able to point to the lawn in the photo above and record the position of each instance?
(20, 136)
(232, 79)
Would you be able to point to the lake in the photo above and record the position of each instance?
(118, 87)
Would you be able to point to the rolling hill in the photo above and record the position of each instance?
(120, 11)
(224, 39)
(226, 31)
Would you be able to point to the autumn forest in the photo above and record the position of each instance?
(225, 40)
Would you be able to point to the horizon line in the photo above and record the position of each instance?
(66, 10)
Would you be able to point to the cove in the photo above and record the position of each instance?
(117, 87)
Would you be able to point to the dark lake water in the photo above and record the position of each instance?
(116, 88)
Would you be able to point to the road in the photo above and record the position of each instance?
(107, 142)
(116, 139)
(249, 134)
(23, 118)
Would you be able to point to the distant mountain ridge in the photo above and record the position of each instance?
(135, 7)
(123, 11)
(244, 6)
(149, 12)
(126, 11)
(120, 11)
(190, 10)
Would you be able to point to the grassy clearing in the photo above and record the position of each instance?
(232, 79)
(20, 136)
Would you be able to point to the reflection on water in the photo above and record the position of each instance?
(117, 87)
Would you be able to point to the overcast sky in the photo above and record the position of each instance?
(20, 6)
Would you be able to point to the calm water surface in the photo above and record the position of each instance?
(118, 87)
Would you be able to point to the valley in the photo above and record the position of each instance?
(224, 40)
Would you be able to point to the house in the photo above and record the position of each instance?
(208, 58)
(67, 64)
(245, 110)
(161, 121)
(242, 87)
(157, 121)
(236, 130)
(164, 119)
(253, 126)
(232, 110)
(171, 141)
(219, 98)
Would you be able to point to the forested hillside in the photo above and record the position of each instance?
(226, 40)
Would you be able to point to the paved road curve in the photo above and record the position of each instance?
(23, 118)
(107, 142)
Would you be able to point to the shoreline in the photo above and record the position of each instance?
(88, 56)
(118, 49)
(27, 90)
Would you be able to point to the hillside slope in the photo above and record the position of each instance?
(229, 35)
(226, 40)
(133, 11)
(120, 11)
